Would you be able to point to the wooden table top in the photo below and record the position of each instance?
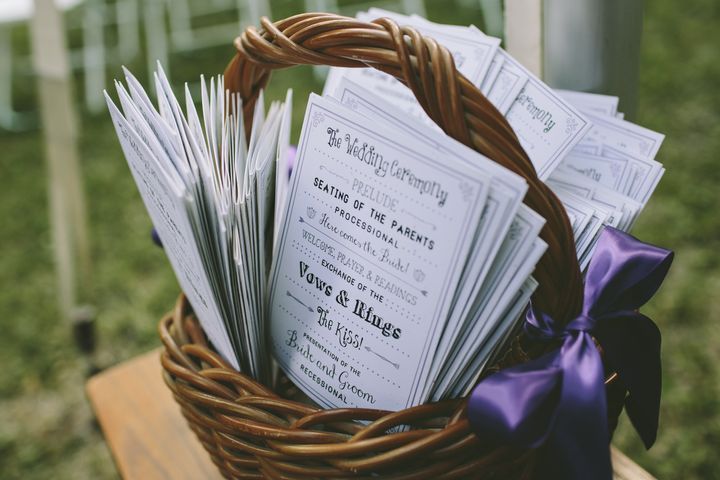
(149, 439)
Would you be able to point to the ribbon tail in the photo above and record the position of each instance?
(632, 349)
(557, 400)
(579, 445)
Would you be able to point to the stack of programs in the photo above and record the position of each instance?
(212, 200)
(610, 175)
(405, 258)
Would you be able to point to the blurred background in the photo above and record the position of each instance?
(124, 284)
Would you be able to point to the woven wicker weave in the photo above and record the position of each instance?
(251, 431)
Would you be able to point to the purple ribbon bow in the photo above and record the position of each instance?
(558, 400)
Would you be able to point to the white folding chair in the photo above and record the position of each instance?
(183, 36)
(13, 12)
(95, 54)
(91, 57)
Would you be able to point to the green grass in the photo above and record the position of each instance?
(46, 428)
(679, 71)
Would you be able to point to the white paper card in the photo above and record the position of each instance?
(361, 289)
(547, 126)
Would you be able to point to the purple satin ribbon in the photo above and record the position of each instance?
(558, 400)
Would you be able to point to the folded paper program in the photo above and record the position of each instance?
(558, 400)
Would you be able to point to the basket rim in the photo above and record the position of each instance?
(231, 412)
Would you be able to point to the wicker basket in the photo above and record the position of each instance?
(252, 431)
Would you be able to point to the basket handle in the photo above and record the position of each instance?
(449, 98)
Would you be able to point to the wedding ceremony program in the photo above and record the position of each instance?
(384, 264)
